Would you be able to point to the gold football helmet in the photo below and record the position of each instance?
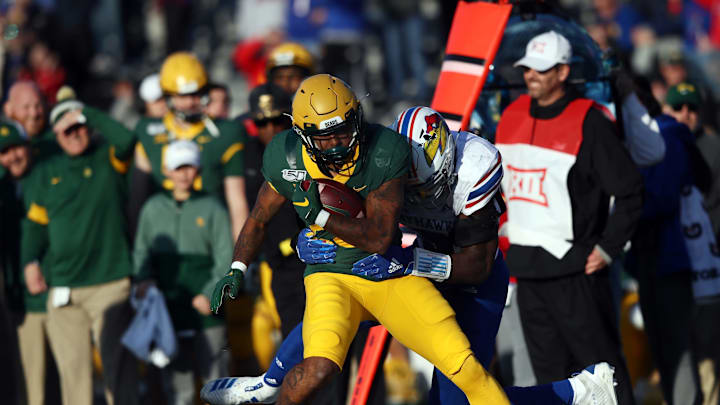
(182, 73)
(325, 105)
(290, 54)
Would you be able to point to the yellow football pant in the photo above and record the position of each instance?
(411, 309)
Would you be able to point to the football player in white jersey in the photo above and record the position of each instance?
(453, 204)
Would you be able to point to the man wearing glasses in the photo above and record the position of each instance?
(563, 160)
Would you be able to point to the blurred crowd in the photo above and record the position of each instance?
(131, 147)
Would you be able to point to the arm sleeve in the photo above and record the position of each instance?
(618, 176)
(121, 138)
(222, 248)
(142, 264)
(233, 157)
(481, 226)
(642, 135)
(33, 243)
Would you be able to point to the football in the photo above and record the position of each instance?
(338, 198)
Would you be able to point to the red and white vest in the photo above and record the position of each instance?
(537, 155)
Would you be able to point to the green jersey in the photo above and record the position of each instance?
(221, 144)
(286, 163)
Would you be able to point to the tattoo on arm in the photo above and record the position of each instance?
(292, 382)
(295, 376)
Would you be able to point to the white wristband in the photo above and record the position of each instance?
(322, 218)
(238, 265)
(431, 265)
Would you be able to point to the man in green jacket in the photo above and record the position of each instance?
(88, 259)
(183, 245)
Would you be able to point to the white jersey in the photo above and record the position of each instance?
(478, 171)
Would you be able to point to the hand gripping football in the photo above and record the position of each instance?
(338, 198)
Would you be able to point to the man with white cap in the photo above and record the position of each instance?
(183, 245)
(563, 160)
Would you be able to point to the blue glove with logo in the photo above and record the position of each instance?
(312, 250)
(396, 262)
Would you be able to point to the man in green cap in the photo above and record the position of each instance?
(25, 286)
(81, 209)
(683, 102)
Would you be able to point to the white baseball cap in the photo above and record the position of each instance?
(182, 153)
(545, 51)
(150, 88)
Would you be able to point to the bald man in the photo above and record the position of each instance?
(25, 105)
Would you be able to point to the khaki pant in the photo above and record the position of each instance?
(101, 313)
(31, 339)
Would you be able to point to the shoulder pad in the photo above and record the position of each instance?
(479, 171)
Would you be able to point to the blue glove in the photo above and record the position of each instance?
(396, 262)
(314, 251)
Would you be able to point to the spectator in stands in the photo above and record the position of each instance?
(683, 102)
(183, 245)
(25, 105)
(44, 69)
(659, 259)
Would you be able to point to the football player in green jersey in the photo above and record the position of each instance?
(184, 83)
(330, 140)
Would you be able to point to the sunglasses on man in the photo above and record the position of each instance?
(690, 106)
(542, 72)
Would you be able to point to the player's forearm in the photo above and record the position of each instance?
(363, 233)
(249, 242)
(373, 233)
(473, 264)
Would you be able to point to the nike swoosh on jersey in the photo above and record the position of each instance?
(359, 189)
(302, 204)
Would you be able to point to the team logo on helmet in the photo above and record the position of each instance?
(435, 137)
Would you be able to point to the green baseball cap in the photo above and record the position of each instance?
(11, 134)
(683, 93)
